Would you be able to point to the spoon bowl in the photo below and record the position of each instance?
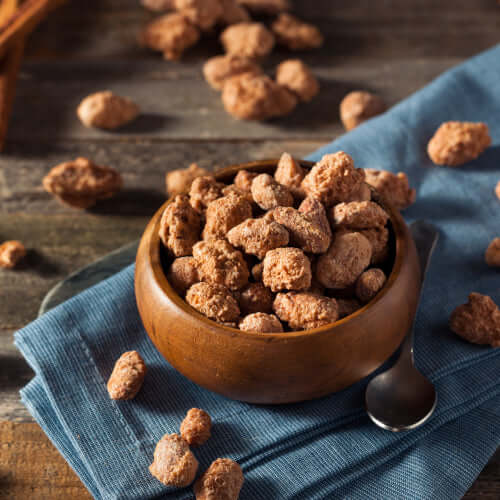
(403, 406)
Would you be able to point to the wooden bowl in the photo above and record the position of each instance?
(284, 367)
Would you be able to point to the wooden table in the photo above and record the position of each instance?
(391, 47)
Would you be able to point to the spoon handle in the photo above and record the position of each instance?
(425, 236)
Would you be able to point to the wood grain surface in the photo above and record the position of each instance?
(31, 468)
(9, 68)
(391, 47)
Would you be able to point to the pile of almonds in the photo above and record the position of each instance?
(247, 93)
(174, 464)
(294, 250)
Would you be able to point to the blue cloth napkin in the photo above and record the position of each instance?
(326, 448)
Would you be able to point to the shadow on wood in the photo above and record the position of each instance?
(130, 202)
(35, 261)
(14, 372)
(321, 110)
(146, 123)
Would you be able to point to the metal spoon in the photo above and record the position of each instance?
(402, 398)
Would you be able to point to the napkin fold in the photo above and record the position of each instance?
(327, 448)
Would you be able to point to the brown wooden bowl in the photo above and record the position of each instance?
(284, 367)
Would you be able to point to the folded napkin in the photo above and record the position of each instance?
(327, 448)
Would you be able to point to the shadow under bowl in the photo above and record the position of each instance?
(283, 367)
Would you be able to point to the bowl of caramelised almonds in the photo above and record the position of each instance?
(279, 281)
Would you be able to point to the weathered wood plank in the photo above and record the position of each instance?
(177, 104)
(30, 466)
(487, 485)
(58, 245)
(62, 239)
(389, 47)
(15, 373)
(377, 30)
(143, 165)
(49, 476)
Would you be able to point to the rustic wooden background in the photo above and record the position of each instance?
(391, 47)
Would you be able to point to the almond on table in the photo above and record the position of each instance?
(250, 39)
(171, 34)
(80, 183)
(251, 96)
(315, 210)
(221, 481)
(202, 13)
(174, 463)
(219, 68)
(11, 253)
(295, 34)
(196, 427)
(358, 106)
(492, 254)
(107, 110)
(456, 143)
(296, 76)
(477, 321)
(127, 376)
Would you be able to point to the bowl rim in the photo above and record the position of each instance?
(160, 277)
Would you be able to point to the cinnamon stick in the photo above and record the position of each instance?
(24, 21)
(9, 68)
(7, 9)
(16, 22)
